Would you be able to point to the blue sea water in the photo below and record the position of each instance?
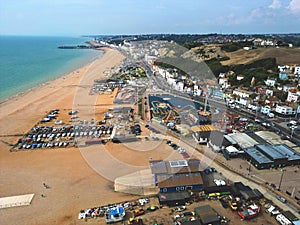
(26, 61)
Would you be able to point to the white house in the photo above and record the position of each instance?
(269, 92)
(197, 90)
(270, 82)
(180, 86)
(242, 101)
(265, 109)
(171, 81)
(285, 110)
(284, 68)
(223, 82)
(242, 93)
(240, 77)
(293, 95)
(221, 75)
(267, 43)
(297, 70)
(288, 87)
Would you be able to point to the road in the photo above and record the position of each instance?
(214, 162)
(202, 154)
(219, 104)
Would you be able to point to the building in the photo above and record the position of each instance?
(284, 110)
(273, 138)
(194, 222)
(173, 198)
(245, 192)
(232, 151)
(284, 68)
(242, 140)
(223, 82)
(297, 70)
(264, 156)
(283, 76)
(288, 87)
(216, 92)
(271, 82)
(293, 95)
(177, 176)
(242, 93)
(258, 159)
(207, 215)
(266, 109)
(240, 77)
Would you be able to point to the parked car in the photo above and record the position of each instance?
(138, 212)
(282, 199)
(180, 208)
(152, 208)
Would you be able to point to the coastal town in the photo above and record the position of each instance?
(206, 141)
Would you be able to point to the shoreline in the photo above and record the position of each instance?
(58, 76)
(65, 169)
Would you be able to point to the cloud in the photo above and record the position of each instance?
(275, 5)
(294, 6)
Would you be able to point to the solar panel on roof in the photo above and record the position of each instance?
(179, 163)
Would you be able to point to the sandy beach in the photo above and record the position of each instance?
(75, 178)
(73, 184)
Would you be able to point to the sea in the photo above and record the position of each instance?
(28, 61)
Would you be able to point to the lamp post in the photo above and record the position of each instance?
(298, 105)
(283, 170)
(249, 169)
(292, 132)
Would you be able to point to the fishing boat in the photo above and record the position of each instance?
(249, 212)
(115, 214)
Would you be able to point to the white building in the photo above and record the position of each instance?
(171, 82)
(240, 77)
(242, 93)
(284, 68)
(242, 101)
(285, 110)
(293, 95)
(179, 86)
(270, 82)
(223, 82)
(297, 70)
(197, 90)
(269, 92)
(221, 75)
(265, 109)
(288, 87)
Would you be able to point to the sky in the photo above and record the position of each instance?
(91, 17)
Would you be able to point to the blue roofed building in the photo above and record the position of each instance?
(177, 176)
(283, 76)
(264, 156)
(258, 159)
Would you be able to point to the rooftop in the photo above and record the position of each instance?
(289, 152)
(207, 214)
(257, 155)
(243, 140)
(273, 138)
(181, 179)
(271, 152)
(173, 167)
